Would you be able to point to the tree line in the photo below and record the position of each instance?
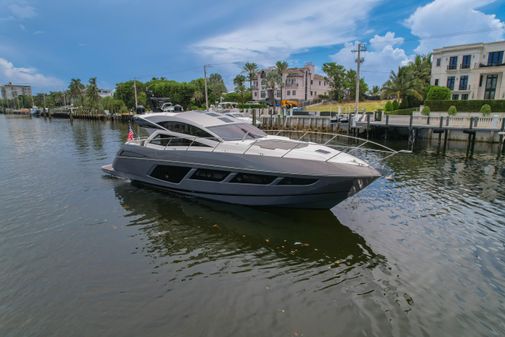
(86, 98)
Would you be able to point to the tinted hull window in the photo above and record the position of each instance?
(173, 174)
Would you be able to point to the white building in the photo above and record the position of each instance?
(10, 91)
(300, 84)
(471, 71)
(105, 93)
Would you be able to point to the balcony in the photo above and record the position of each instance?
(482, 65)
(464, 66)
(452, 67)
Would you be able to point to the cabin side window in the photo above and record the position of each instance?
(186, 129)
(167, 140)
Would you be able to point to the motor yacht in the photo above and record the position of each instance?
(210, 155)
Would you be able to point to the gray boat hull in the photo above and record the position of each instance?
(332, 182)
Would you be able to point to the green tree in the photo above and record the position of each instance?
(281, 67)
(350, 85)
(250, 69)
(272, 79)
(75, 91)
(216, 87)
(452, 111)
(404, 84)
(125, 92)
(438, 94)
(240, 88)
(375, 91)
(114, 105)
(336, 76)
(388, 107)
(92, 96)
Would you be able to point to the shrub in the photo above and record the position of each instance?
(438, 94)
(426, 110)
(485, 109)
(388, 107)
(452, 111)
(396, 106)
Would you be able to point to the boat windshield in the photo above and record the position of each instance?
(237, 131)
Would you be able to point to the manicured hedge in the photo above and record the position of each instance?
(407, 111)
(466, 106)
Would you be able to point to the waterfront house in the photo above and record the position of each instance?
(10, 91)
(300, 84)
(471, 71)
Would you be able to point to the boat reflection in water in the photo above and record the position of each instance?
(174, 224)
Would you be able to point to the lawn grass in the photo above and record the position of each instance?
(347, 106)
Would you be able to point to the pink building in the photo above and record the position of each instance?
(301, 84)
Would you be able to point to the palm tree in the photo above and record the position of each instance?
(250, 69)
(239, 81)
(281, 67)
(92, 95)
(402, 84)
(272, 81)
(75, 89)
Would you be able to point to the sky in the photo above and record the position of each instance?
(45, 43)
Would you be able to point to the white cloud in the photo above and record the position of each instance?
(9, 72)
(382, 56)
(451, 22)
(282, 31)
(22, 10)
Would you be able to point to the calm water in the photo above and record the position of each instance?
(85, 255)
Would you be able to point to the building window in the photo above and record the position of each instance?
(288, 93)
(319, 83)
(255, 94)
(294, 92)
(450, 82)
(263, 95)
(463, 82)
(439, 60)
(464, 97)
(455, 97)
(480, 80)
(311, 82)
(490, 90)
(311, 93)
(436, 82)
(453, 63)
(465, 64)
(495, 58)
(278, 93)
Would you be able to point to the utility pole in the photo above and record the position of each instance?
(135, 91)
(360, 48)
(205, 81)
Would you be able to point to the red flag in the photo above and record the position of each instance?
(131, 135)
